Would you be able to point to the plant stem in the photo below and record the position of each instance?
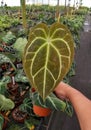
(13, 65)
(23, 7)
(65, 6)
(58, 12)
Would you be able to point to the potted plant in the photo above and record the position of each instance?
(19, 115)
(10, 83)
(47, 58)
(12, 86)
(42, 109)
(23, 110)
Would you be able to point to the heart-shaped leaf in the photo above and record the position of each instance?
(48, 56)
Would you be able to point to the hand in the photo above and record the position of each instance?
(62, 90)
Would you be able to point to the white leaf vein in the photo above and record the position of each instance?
(42, 31)
(58, 29)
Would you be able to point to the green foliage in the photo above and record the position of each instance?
(5, 79)
(6, 59)
(15, 22)
(19, 45)
(5, 103)
(75, 24)
(9, 38)
(53, 103)
(81, 11)
(2, 87)
(3, 84)
(26, 106)
(20, 77)
(7, 21)
(4, 22)
(21, 33)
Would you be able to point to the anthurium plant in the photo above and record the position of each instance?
(47, 58)
(52, 102)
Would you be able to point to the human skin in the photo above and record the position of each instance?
(81, 104)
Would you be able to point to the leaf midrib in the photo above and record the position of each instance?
(45, 68)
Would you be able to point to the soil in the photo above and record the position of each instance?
(81, 81)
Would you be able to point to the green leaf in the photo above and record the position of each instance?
(20, 77)
(31, 121)
(53, 103)
(48, 56)
(69, 108)
(1, 122)
(9, 38)
(19, 45)
(2, 88)
(5, 103)
(26, 106)
(6, 59)
(3, 84)
(6, 79)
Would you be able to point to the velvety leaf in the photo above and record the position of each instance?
(55, 103)
(51, 102)
(48, 56)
